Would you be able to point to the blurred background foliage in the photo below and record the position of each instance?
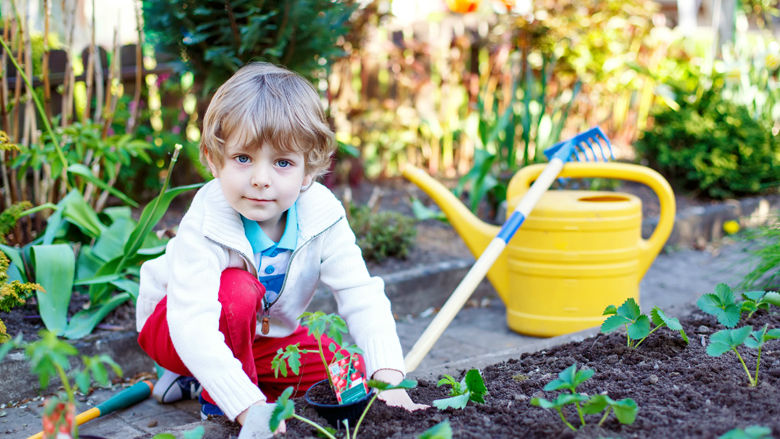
(470, 90)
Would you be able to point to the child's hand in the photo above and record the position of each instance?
(396, 397)
(399, 398)
(254, 421)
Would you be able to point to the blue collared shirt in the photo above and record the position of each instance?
(272, 257)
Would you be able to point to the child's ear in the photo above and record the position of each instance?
(212, 167)
(308, 179)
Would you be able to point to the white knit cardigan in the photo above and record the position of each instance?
(211, 238)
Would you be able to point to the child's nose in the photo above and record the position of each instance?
(261, 176)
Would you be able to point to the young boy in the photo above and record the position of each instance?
(251, 250)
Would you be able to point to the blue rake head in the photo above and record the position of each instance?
(578, 147)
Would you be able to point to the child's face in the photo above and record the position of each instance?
(261, 183)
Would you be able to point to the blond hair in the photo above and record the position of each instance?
(266, 104)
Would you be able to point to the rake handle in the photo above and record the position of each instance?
(466, 287)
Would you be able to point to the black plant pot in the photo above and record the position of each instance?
(335, 414)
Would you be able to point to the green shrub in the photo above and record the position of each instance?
(712, 146)
(216, 38)
(382, 235)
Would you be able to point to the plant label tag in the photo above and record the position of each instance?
(349, 381)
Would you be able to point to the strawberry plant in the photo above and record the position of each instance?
(728, 310)
(730, 339)
(625, 410)
(637, 324)
(756, 300)
(319, 324)
(470, 388)
(285, 408)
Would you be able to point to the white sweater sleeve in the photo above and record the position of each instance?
(361, 300)
(195, 265)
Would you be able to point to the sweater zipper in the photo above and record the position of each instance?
(265, 325)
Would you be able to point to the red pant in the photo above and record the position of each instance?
(240, 295)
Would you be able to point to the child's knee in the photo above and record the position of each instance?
(240, 291)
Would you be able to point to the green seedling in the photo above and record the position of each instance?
(728, 310)
(756, 300)
(730, 339)
(442, 430)
(48, 357)
(319, 324)
(721, 305)
(470, 388)
(285, 408)
(637, 325)
(196, 433)
(625, 409)
(752, 432)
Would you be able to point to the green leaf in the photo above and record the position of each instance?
(629, 309)
(78, 212)
(284, 409)
(659, 318)
(613, 323)
(456, 402)
(196, 433)
(85, 172)
(543, 403)
(727, 339)
(151, 215)
(54, 267)
(758, 337)
(382, 386)
(772, 297)
(751, 432)
(611, 309)
(475, 384)
(111, 242)
(442, 430)
(596, 404)
(640, 328)
(164, 436)
(625, 410)
(15, 256)
(83, 322)
(721, 305)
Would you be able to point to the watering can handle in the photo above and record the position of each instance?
(650, 247)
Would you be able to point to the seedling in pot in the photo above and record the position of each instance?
(625, 409)
(285, 408)
(470, 388)
(319, 324)
(730, 339)
(637, 325)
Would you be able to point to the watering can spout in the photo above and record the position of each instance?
(475, 233)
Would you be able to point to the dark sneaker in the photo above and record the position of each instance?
(172, 387)
(208, 409)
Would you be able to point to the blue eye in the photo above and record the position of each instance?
(242, 158)
(283, 163)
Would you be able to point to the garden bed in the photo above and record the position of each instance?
(680, 391)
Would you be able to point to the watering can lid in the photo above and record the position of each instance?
(583, 204)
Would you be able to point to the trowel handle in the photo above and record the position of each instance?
(650, 247)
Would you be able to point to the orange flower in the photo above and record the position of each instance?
(463, 6)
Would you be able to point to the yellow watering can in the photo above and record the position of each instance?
(577, 252)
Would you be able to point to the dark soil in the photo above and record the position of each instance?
(680, 391)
